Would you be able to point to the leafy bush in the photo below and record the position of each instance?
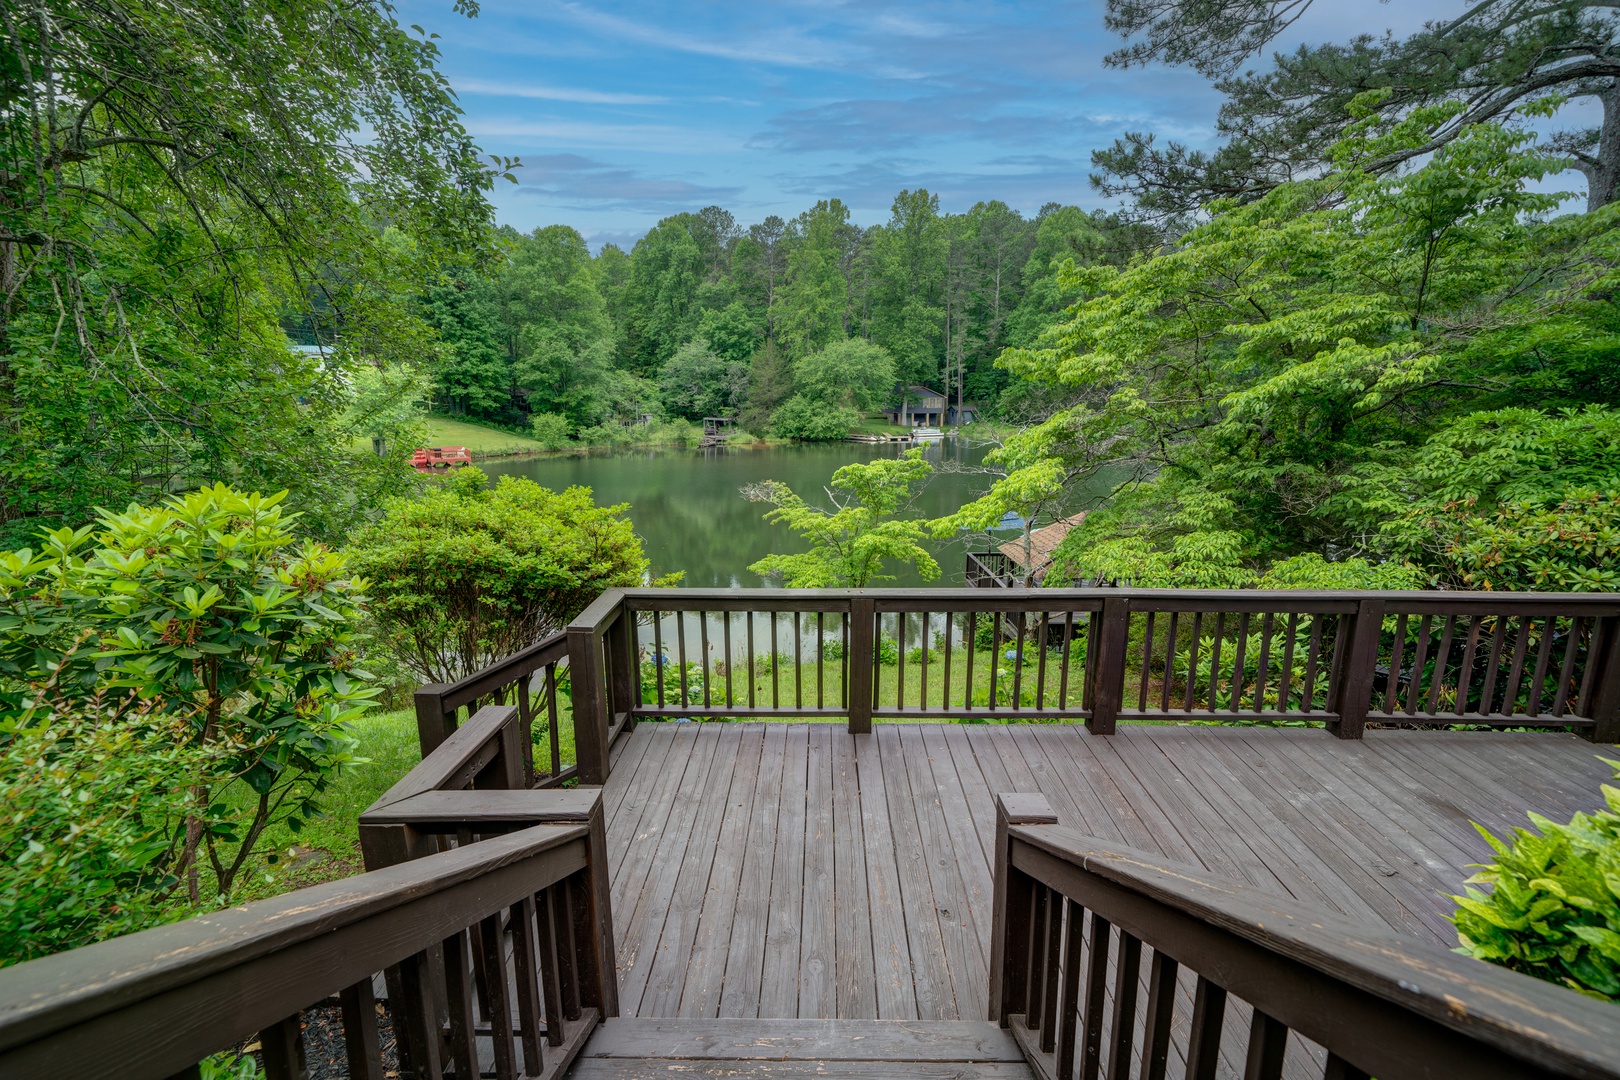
(466, 575)
(208, 608)
(1554, 906)
(1571, 546)
(888, 651)
(550, 430)
(810, 421)
(94, 805)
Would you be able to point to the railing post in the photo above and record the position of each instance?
(594, 912)
(624, 676)
(590, 704)
(1605, 704)
(432, 726)
(1108, 669)
(1354, 678)
(862, 619)
(1009, 918)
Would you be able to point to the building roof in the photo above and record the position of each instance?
(1042, 542)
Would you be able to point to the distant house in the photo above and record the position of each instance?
(966, 413)
(920, 407)
(1010, 565)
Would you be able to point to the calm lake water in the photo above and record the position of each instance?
(687, 508)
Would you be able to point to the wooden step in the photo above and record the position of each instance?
(889, 1049)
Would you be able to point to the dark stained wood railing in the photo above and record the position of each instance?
(990, 570)
(1339, 659)
(453, 932)
(1110, 962)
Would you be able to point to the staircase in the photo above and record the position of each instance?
(788, 1049)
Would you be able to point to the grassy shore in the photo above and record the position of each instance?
(478, 439)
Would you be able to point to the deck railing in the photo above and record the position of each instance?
(1335, 658)
(1109, 962)
(990, 570)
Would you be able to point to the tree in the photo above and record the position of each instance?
(559, 334)
(176, 181)
(388, 408)
(466, 575)
(908, 315)
(1271, 384)
(852, 374)
(850, 543)
(815, 293)
(473, 371)
(696, 382)
(1494, 61)
(668, 267)
(770, 384)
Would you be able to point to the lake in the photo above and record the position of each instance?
(687, 508)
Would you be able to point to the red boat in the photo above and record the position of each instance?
(440, 457)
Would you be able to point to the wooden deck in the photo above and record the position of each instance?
(775, 870)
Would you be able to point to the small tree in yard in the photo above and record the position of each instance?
(231, 635)
(849, 543)
(467, 574)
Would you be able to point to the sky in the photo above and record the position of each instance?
(625, 113)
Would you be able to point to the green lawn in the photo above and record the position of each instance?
(478, 439)
(878, 425)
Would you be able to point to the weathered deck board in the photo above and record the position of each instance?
(770, 870)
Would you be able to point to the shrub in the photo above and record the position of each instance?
(466, 575)
(1554, 906)
(550, 430)
(801, 418)
(210, 611)
(94, 804)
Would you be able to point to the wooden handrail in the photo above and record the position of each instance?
(153, 1003)
(1073, 916)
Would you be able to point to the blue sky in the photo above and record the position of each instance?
(625, 113)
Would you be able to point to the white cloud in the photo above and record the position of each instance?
(554, 93)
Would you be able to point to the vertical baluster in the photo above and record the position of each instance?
(551, 959)
(1313, 654)
(361, 1043)
(1043, 633)
(1442, 660)
(900, 673)
(1169, 662)
(416, 1022)
(1161, 1015)
(922, 679)
(1487, 692)
(1063, 665)
(1340, 1069)
(526, 969)
(945, 680)
(1147, 664)
(995, 656)
(1234, 696)
(680, 656)
(1215, 659)
(1465, 674)
(1068, 1029)
(1268, 1043)
(731, 699)
(526, 726)
(798, 662)
(573, 947)
(459, 996)
(1096, 1005)
(843, 663)
(1572, 643)
(1392, 682)
(1286, 675)
(1192, 660)
(753, 676)
(1420, 657)
(708, 666)
(1204, 1043)
(972, 643)
(498, 1013)
(1053, 963)
(1035, 990)
(821, 682)
(1263, 664)
(1521, 643)
(659, 658)
(1126, 977)
(1341, 642)
(776, 665)
(282, 1046)
(1020, 622)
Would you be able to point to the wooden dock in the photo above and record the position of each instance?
(796, 870)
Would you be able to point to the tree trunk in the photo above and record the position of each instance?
(1603, 179)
